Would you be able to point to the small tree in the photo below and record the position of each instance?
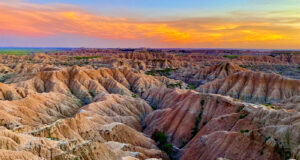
(160, 137)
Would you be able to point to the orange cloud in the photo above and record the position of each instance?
(34, 20)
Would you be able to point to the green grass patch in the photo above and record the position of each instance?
(270, 106)
(53, 138)
(231, 56)
(86, 57)
(244, 131)
(14, 52)
(173, 85)
(191, 86)
(26, 51)
(163, 72)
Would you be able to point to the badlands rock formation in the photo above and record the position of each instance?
(112, 104)
(255, 87)
(44, 117)
(199, 76)
(86, 83)
(107, 128)
(209, 126)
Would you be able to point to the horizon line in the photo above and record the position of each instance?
(191, 48)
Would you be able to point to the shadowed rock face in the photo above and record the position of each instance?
(254, 87)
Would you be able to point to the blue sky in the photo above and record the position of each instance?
(161, 8)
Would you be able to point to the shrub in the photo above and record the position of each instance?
(134, 95)
(168, 148)
(150, 73)
(191, 86)
(202, 102)
(198, 120)
(239, 109)
(244, 66)
(160, 137)
(154, 107)
(243, 116)
(244, 131)
(173, 85)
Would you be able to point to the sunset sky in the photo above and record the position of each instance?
(265, 24)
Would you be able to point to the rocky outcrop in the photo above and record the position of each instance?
(255, 87)
(36, 110)
(181, 112)
(112, 120)
(86, 83)
(201, 76)
(53, 126)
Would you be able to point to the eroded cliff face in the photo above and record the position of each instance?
(209, 126)
(255, 87)
(198, 76)
(85, 83)
(112, 121)
(107, 128)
